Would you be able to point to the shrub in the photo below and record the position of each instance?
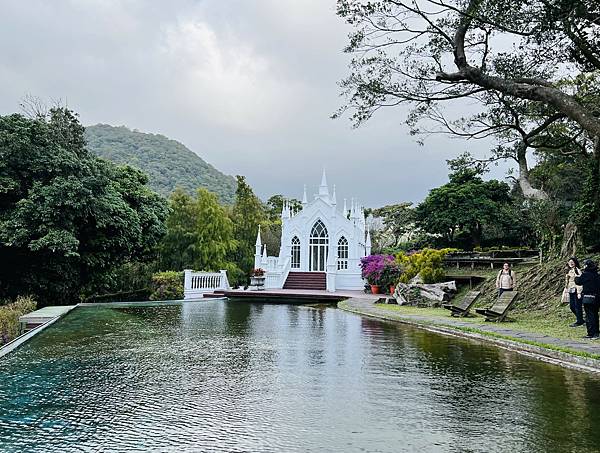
(391, 273)
(10, 314)
(372, 268)
(167, 286)
(429, 263)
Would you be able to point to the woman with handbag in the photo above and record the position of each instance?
(573, 292)
(590, 281)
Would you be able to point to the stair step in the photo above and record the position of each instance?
(306, 280)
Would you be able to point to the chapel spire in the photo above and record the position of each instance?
(324, 188)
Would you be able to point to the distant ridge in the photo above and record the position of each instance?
(168, 163)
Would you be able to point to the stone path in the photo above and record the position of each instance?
(367, 307)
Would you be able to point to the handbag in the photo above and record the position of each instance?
(587, 299)
(565, 298)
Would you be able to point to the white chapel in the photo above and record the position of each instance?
(321, 245)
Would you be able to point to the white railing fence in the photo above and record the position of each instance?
(195, 284)
(276, 278)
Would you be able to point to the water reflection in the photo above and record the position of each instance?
(235, 376)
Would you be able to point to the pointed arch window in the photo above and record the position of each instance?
(295, 253)
(318, 247)
(342, 258)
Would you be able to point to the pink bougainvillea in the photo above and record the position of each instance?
(372, 267)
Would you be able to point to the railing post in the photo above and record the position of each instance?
(224, 280)
(187, 279)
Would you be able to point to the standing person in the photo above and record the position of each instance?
(506, 279)
(574, 291)
(590, 280)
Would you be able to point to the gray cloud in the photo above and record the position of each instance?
(249, 86)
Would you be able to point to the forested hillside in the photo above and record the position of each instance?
(168, 163)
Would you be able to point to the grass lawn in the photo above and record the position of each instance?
(554, 324)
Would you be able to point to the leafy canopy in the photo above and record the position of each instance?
(67, 218)
(199, 234)
(467, 204)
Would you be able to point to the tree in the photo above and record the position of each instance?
(441, 50)
(199, 234)
(466, 206)
(67, 218)
(275, 206)
(398, 219)
(247, 213)
(531, 68)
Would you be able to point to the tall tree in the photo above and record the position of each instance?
(466, 205)
(441, 50)
(247, 213)
(199, 234)
(275, 206)
(67, 218)
(530, 66)
(398, 219)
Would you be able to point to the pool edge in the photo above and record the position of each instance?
(21, 339)
(547, 355)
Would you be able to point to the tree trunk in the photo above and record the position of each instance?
(540, 91)
(571, 242)
(528, 190)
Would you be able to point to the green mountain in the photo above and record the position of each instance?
(168, 163)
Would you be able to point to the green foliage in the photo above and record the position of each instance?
(199, 234)
(429, 263)
(275, 206)
(270, 233)
(167, 286)
(168, 163)
(10, 312)
(247, 213)
(464, 209)
(398, 221)
(390, 275)
(67, 218)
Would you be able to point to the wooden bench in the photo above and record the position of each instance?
(465, 305)
(500, 308)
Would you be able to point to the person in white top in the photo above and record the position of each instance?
(574, 291)
(506, 280)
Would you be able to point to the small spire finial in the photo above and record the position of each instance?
(323, 188)
(258, 240)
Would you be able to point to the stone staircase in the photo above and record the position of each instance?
(306, 280)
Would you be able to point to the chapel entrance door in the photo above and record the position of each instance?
(318, 247)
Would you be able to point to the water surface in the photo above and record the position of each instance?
(240, 377)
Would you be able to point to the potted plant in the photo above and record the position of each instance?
(257, 278)
(374, 283)
(390, 275)
(372, 269)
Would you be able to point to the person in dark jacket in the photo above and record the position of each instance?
(590, 295)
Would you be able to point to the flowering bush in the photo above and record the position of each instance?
(391, 273)
(372, 267)
(429, 263)
(258, 272)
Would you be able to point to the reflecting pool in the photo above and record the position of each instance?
(241, 377)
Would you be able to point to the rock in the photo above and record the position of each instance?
(430, 295)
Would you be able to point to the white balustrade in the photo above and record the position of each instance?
(198, 283)
(276, 278)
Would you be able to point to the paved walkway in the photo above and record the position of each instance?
(367, 307)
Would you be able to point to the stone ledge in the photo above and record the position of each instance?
(548, 355)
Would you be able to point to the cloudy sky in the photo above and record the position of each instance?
(249, 85)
